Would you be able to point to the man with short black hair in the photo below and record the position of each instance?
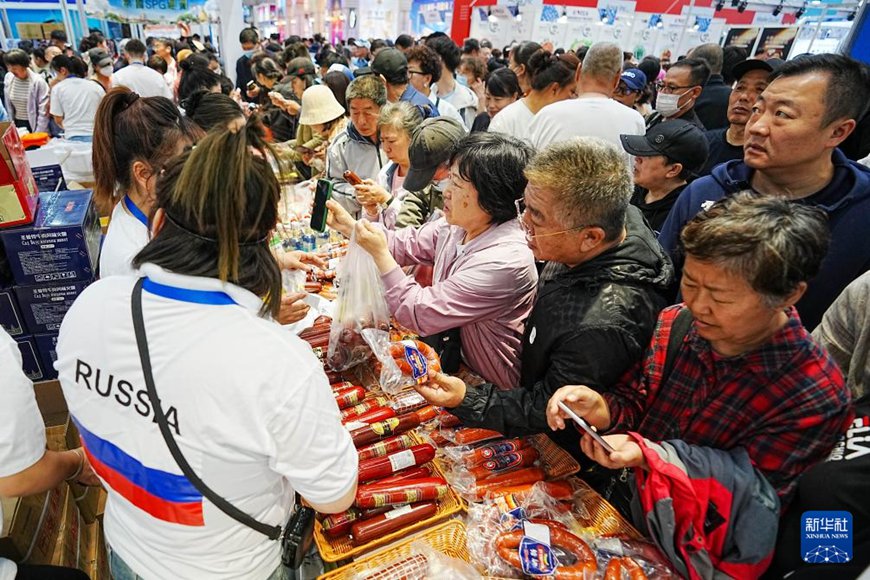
(424, 70)
(140, 79)
(712, 106)
(447, 87)
(404, 42)
(790, 150)
(391, 66)
(678, 92)
(727, 144)
(58, 39)
(248, 38)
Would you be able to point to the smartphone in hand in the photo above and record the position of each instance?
(586, 427)
(322, 194)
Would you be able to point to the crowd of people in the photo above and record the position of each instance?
(672, 249)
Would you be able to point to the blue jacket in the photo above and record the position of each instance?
(848, 210)
(415, 97)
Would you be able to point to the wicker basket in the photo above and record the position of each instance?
(335, 550)
(603, 519)
(448, 538)
(557, 463)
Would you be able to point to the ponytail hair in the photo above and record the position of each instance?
(128, 128)
(73, 64)
(211, 110)
(220, 205)
(546, 68)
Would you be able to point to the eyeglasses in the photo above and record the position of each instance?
(520, 204)
(624, 90)
(664, 88)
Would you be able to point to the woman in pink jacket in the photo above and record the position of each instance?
(484, 273)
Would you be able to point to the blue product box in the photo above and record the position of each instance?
(49, 178)
(30, 361)
(10, 316)
(46, 348)
(62, 244)
(43, 307)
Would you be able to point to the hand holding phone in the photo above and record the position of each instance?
(586, 427)
(322, 194)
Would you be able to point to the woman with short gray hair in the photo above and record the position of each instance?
(382, 198)
(734, 399)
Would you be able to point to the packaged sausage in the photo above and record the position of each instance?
(364, 406)
(379, 467)
(364, 531)
(394, 426)
(385, 447)
(402, 492)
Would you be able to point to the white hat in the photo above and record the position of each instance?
(319, 106)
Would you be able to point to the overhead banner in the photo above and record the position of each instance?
(153, 11)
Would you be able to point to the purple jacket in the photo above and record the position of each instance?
(486, 288)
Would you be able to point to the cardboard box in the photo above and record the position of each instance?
(43, 307)
(46, 349)
(33, 525)
(18, 191)
(30, 361)
(70, 547)
(98, 556)
(10, 315)
(62, 245)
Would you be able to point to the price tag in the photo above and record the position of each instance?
(402, 460)
(537, 532)
(400, 511)
(352, 425)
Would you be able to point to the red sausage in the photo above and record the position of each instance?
(375, 415)
(379, 467)
(335, 525)
(490, 450)
(411, 355)
(349, 397)
(421, 472)
(365, 531)
(408, 401)
(381, 429)
(472, 435)
(366, 405)
(505, 463)
(402, 492)
(385, 447)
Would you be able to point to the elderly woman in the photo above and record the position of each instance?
(396, 125)
(734, 399)
(484, 273)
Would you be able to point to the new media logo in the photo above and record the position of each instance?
(826, 537)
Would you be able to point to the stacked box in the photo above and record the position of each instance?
(51, 262)
(18, 191)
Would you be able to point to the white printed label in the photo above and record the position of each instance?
(402, 460)
(405, 509)
(537, 532)
(354, 425)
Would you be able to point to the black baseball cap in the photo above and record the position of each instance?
(741, 68)
(392, 64)
(430, 148)
(676, 139)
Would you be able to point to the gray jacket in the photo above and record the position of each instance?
(37, 101)
(357, 153)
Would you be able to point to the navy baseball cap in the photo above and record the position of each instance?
(634, 79)
(676, 139)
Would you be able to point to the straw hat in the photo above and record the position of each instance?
(319, 106)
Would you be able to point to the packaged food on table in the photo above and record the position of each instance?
(385, 447)
(364, 406)
(348, 396)
(401, 492)
(395, 426)
(380, 467)
(407, 401)
(366, 530)
(424, 562)
(403, 363)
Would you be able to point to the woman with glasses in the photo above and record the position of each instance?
(484, 274)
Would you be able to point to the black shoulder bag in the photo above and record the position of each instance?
(448, 345)
(618, 490)
(297, 534)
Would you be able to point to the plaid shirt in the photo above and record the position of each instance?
(786, 402)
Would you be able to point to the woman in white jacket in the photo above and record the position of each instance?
(25, 93)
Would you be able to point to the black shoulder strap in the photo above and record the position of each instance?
(679, 329)
(272, 532)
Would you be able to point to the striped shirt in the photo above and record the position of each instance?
(19, 94)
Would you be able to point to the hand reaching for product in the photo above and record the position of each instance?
(582, 400)
(442, 390)
(297, 260)
(338, 219)
(293, 308)
(370, 193)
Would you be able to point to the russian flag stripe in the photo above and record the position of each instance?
(164, 495)
(186, 514)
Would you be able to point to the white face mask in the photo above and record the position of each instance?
(107, 70)
(668, 104)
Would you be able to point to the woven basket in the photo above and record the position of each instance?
(447, 538)
(603, 519)
(557, 463)
(335, 550)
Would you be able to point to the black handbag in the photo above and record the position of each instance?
(448, 345)
(297, 535)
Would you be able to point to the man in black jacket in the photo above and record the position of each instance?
(598, 298)
(712, 106)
